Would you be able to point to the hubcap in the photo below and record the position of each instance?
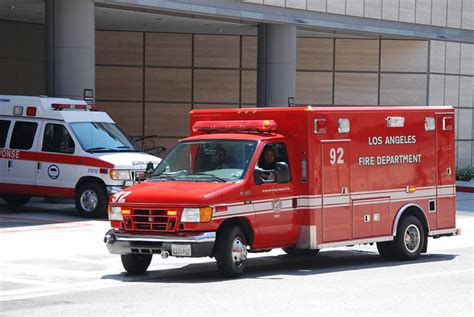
(239, 251)
(89, 200)
(412, 238)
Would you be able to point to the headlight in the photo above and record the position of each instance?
(123, 175)
(115, 213)
(196, 214)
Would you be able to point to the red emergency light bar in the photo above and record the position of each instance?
(236, 125)
(58, 106)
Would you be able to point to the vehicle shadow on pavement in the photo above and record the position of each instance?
(38, 214)
(270, 267)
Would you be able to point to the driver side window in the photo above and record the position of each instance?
(271, 154)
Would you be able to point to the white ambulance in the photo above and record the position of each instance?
(57, 147)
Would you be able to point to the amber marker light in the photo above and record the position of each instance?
(411, 189)
(172, 213)
(205, 214)
(126, 211)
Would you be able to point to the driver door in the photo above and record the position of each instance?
(273, 205)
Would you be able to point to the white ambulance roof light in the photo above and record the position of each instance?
(17, 110)
(430, 124)
(343, 125)
(58, 106)
(31, 111)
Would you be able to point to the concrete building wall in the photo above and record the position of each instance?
(22, 58)
(443, 13)
(148, 82)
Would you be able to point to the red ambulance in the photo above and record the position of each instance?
(301, 179)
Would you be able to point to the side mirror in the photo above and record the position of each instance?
(149, 169)
(282, 172)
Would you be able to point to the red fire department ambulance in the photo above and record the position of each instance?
(60, 147)
(301, 179)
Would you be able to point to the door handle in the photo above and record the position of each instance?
(38, 165)
(9, 164)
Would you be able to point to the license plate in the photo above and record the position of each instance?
(181, 249)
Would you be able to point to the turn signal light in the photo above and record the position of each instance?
(126, 211)
(205, 214)
(411, 189)
(172, 213)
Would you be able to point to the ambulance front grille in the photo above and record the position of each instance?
(151, 220)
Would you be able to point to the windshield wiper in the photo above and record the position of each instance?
(220, 179)
(100, 149)
(124, 148)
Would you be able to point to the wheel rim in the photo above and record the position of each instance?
(239, 252)
(412, 238)
(89, 200)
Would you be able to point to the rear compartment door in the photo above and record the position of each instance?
(446, 201)
(20, 173)
(4, 128)
(337, 215)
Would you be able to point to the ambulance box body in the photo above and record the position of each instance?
(57, 147)
(340, 176)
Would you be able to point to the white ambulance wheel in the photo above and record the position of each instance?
(91, 200)
(410, 239)
(136, 263)
(16, 200)
(231, 252)
(300, 252)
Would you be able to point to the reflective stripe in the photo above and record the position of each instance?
(265, 206)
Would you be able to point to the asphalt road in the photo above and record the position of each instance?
(55, 264)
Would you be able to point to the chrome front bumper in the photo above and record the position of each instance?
(202, 244)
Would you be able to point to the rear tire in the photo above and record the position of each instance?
(136, 263)
(300, 252)
(16, 200)
(231, 252)
(91, 200)
(410, 239)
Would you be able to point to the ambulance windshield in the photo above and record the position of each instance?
(206, 161)
(96, 137)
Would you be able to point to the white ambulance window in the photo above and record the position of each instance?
(57, 139)
(4, 125)
(23, 135)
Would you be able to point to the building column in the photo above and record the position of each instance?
(276, 73)
(70, 37)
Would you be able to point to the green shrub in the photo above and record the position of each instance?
(465, 173)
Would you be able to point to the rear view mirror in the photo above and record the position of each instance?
(282, 172)
(149, 169)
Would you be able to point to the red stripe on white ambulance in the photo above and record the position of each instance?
(59, 147)
(301, 179)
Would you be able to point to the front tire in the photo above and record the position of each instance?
(410, 239)
(91, 200)
(136, 263)
(16, 200)
(300, 252)
(231, 252)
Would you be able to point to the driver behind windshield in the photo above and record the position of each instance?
(267, 163)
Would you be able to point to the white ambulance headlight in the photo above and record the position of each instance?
(190, 215)
(123, 175)
(115, 213)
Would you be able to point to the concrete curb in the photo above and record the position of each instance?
(466, 187)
